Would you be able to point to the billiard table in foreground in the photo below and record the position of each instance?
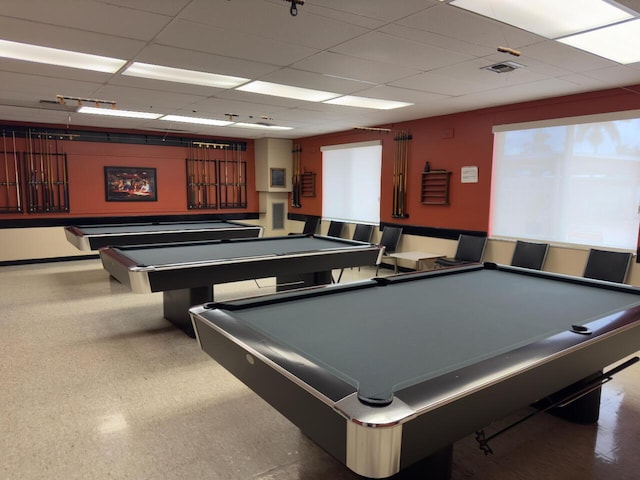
(185, 272)
(94, 237)
(387, 374)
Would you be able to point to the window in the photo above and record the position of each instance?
(351, 182)
(573, 181)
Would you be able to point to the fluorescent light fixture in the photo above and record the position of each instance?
(179, 75)
(549, 18)
(364, 102)
(198, 120)
(259, 126)
(277, 90)
(63, 58)
(617, 42)
(119, 113)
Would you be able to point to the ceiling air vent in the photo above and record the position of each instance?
(503, 67)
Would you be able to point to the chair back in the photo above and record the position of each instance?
(335, 229)
(363, 233)
(390, 239)
(530, 255)
(608, 266)
(311, 225)
(470, 248)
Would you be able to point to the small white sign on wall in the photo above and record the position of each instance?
(469, 175)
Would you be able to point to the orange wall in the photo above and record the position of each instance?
(86, 162)
(451, 142)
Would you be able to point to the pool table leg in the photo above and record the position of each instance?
(176, 304)
(585, 410)
(437, 466)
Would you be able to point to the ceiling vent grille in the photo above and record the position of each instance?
(503, 67)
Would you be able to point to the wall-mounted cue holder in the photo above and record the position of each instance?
(202, 179)
(45, 175)
(233, 183)
(435, 187)
(308, 184)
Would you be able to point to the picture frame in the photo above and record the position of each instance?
(130, 184)
(278, 177)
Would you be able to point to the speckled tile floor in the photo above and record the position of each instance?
(97, 385)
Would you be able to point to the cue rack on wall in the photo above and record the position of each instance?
(38, 184)
(202, 179)
(216, 176)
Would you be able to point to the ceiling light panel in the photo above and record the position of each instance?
(260, 126)
(549, 18)
(286, 91)
(63, 58)
(110, 112)
(617, 42)
(364, 102)
(196, 120)
(179, 75)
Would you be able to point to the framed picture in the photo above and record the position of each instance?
(278, 177)
(130, 184)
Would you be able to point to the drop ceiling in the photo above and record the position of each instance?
(424, 52)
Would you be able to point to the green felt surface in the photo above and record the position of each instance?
(219, 251)
(385, 338)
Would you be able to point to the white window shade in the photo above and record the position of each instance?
(576, 183)
(351, 182)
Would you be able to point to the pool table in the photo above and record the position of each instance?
(94, 237)
(185, 272)
(386, 374)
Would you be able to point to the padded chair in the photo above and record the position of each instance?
(311, 225)
(470, 250)
(363, 233)
(335, 229)
(389, 240)
(608, 266)
(530, 255)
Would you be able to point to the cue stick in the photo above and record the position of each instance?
(6, 167)
(598, 382)
(15, 165)
(28, 171)
(52, 198)
(33, 174)
(191, 176)
(403, 174)
(47, 176)
(406, 172)
(297, 179)
(58, 183)
(205, 169)
(238, 176)
(226, 177)
(65, 182)
(234, 175)
(42, 174)
(47, 163)
(294, 172)
(240, 184)
(396, 149)
(400, 175)
(198, 176)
